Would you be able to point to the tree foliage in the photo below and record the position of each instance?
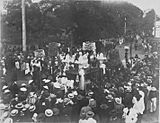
(52, 20)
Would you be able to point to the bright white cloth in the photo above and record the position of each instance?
(27, 69)
(17, 65)
(153, 104)
(132, 116)
(139, 105)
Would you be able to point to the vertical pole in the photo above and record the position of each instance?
(23, 26)
(155, 18)
(1, 7)
(125, 26)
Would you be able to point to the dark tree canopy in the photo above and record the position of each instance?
(52, 20)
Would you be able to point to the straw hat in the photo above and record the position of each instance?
(6, 91)
(19, 105)
(14, 112)
(32, 108)
(118, 100)
(30, 81)
(46, 87)
(90, 93)
(70, 95)
(90, 114)
(4, 87)
(23, 89)
(23, 85)
(153, 89)
(48, 112)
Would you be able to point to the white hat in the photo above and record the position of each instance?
(7, 91)
(19, 105)
(14, 112)
(46, 80)
(32, 108)
(23, 84)
(30, 81)
(23, 89)
(70, 95)
(153, 89)
(90, 93)
(118, 100)
(4, 87)
(48, 112)
(46, 87)
(24, 109)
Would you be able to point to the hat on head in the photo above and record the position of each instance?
(14, 112)
(90, 93)
(23, 85)
(30, 81)
(104, 106)
(4, 87)
(23, 89)
(19, 105)
(92, 103)
(80, 97)
(109, 96)
(90, 114)
(70, 95)
(48, 112)
(153, 89)
(149, 80)
(32, 108)
(46, 80)
(46, 87)
(24, 109)
(6, 91)
(118, 100)
(56, 111)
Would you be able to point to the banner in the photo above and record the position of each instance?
(114, 57)
(89, 46)
(39, 53)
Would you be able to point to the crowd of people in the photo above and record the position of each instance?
(82, 87)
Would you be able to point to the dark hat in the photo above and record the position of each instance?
(80, 97)
(56, 111)
(104, 106)
(90, 114)
(40, 117)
